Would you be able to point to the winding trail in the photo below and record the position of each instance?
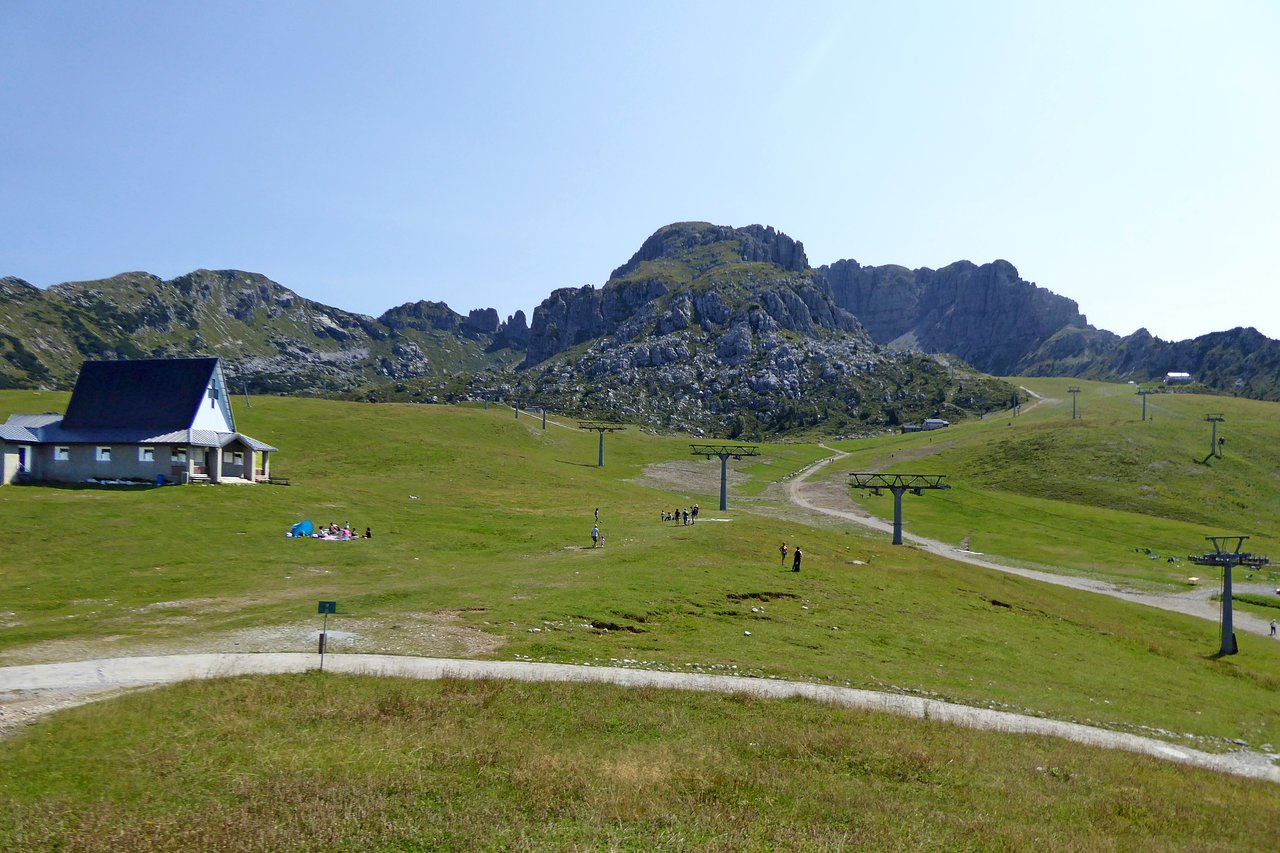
(1193, 603)
(63, 685)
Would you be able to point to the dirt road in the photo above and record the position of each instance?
(1195, 602)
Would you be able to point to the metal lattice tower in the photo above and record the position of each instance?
(1142, 392)
(1215, 418)
(898, 484)
(1074, 391)
(601, 427)
(1227, 560)
(725, 452)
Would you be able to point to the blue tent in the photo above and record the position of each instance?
(302, 528)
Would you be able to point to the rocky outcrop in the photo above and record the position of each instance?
(692, 274)
(752, 244)
(727, 331)
(985, 314)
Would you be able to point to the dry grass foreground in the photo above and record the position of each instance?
(316, 761)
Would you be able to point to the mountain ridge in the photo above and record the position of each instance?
(744, 292)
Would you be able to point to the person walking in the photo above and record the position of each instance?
(1273, 627)
(795, 563)
(783, 551)
(595, 535)
(597, 513)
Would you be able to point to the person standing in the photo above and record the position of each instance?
(597, 514)
(795, 563)
(783, 551)
(1273, 627)
(595, 535)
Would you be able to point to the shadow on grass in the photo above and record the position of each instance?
(102, 487)
(578, 464)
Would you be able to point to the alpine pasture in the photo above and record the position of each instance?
(482, 547)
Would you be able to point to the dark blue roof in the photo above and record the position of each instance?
(158, 394)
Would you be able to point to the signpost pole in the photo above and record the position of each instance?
(325, 608)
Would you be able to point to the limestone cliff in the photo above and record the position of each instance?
(987, 314)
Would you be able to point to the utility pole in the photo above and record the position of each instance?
(724, 451)
(1228, 559)
(1074, 391)
(1142, 392)
(897, 484)
(1215, 418)
(601, 427)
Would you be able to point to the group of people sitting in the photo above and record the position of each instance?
(333, 531)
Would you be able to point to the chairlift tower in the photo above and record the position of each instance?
(1074, 391)
(1228, 559)
(898, 484)
(1215, 418)
(1143, 392)
(601, 427)
(725, 452)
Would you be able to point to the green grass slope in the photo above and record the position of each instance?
(1043, 489)
(482, 548)
(495, 548)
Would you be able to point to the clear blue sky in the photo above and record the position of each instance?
(367, 154)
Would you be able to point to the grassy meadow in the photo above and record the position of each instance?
(1083, 495)
(300, 763)
(481, 548)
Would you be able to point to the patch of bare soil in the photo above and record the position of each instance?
(687, 478)
(437, 634)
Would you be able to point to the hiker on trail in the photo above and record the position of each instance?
(1273, 627)
(695, 512)
(686, 516)
(783, 551)
(595, 535)
(795, 564)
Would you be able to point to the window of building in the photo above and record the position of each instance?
(146, 454)
(61, 453)
(232, 458)
(103, 454)
(178, 456)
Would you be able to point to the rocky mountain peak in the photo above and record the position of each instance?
(704, 246)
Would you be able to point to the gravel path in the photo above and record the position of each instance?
(49, 687)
